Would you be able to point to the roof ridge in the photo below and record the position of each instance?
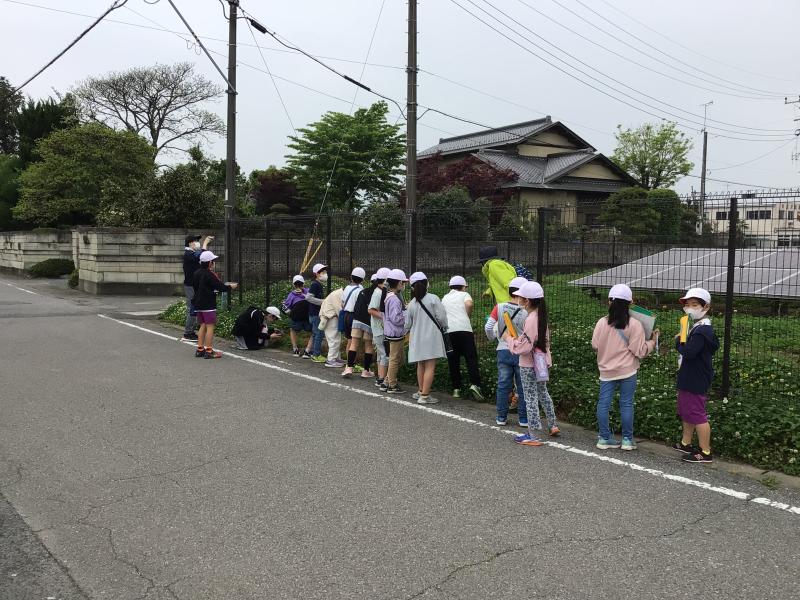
(504, 128)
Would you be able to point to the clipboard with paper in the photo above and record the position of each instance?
(645, 317)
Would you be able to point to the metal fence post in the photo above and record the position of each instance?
(239, 257)
(508, 250)
(613, 249)
(328, 249)
(267, 262)
(540, 215)
(583, 250)
(350, 247)
(733, 217)
(288, 268)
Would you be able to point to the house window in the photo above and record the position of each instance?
(756, 215)
(790, 215)
(722, 215)
(781, 214)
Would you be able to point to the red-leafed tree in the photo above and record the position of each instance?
(274, 192)
(480, 179)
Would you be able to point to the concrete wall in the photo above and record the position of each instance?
(20, 250)
(135, 262)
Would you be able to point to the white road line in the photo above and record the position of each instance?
(22, 289)
(607, 458)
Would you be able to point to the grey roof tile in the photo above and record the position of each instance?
(488, 138)
(530, 169)
(561, 162)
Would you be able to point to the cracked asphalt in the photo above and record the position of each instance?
(130, 470)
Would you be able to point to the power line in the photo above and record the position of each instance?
(590, 85)
(644, 42)
(635, 62)
(513, 20)
(747, 185)
(114, 6)
(759, 157)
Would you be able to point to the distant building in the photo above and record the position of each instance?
(767, 221)
(556, 168)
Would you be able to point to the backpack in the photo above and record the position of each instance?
(299, 312)
(523, 271)
(361, 309)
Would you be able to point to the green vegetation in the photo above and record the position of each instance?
(52, 268)
(759, 423)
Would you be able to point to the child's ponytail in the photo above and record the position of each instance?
(539, 305)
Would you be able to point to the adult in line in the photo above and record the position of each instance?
(498, 273)
(191, 262)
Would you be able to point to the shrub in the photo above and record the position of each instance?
(52, 268)
(73, 280)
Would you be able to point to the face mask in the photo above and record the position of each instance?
(323, 278)
(695, 313)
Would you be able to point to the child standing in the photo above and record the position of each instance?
(376, 308)
(362, 325)
(695, 374)
(508, 372)
(315, 295)
(296, 306)
(533, 341)
(329, 323)
(355, 334)
(394, 325)
(426, 321)
(458, 304)
(620, 344)
(206, 285)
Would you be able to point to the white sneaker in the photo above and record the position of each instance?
(415, 396)
(427, 400)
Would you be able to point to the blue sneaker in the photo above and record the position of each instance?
(628, 444)
(526, 439)
(605, 444)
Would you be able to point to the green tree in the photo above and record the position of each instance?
(274, 192)
(78, 168)
(517, 223)
(10, 168)
(364, 152)
(10, 101)
(631, 212)
(655, 155)
(668, 205)
(36, 120)
(184, 196)
(162, 103)
(383, 219)
(452, 214)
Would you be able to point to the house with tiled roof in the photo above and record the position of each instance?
(555, 167)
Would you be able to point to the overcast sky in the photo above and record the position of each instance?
(743, 52)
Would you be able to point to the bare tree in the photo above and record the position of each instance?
(162, 103)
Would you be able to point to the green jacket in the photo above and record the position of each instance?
(499, 274)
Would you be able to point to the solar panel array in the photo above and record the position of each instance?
(769, 273)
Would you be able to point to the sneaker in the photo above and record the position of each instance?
(348, 371)
(476, 391)
(684, 448)
(296, 353)
(628, 444)
(698, 457)
(200, 353)
(503, 422)
(319, 359)
(456, 393)
(332, 365)
(604, 444)
(213, 354)
(415, 396)
(526, 439)
(378, 382)
(523, 423)
(367, 374)
(189, 337)
(383, 387)
(555, 431)
(394, 389)
(306, 355)
(427, 400)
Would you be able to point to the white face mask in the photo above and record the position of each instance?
(695, 313)
(323, 277)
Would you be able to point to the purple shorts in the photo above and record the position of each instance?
(209, 317)
(692, 407)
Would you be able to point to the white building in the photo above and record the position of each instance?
(768, 222)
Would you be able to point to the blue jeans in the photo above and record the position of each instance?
(627, 388)
(507, 374)
(316, 336)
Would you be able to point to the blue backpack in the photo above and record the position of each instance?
(523, 272)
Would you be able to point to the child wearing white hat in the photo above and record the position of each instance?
(394, 328)
(426, 321)
(620, 344)
(352, 333)
(296, 306)
(458, 304)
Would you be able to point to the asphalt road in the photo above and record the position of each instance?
(132, 470)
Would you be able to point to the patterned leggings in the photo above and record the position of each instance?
(536, 393)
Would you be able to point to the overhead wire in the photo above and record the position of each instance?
(114, 6)
(594, 87)
(645, 43)
(752, 160)
(599, 81)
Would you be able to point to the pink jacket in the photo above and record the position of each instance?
(523, 344)
(617, 357)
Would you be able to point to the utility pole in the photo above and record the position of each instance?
(411, 137)
(230, 159)
(703, 173)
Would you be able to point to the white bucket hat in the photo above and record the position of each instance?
(397, 275)
(418, 276)
(207, 256)
(531, 290)
(457, 280)
(383, 273)
(273, 311)
(359, 272)
(620, 292)
(517, 282)
(298, 279)
(699, 293)
(318, 267)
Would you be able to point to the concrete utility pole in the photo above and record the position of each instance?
(411, 136)
(230, 158)
(703, 173)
